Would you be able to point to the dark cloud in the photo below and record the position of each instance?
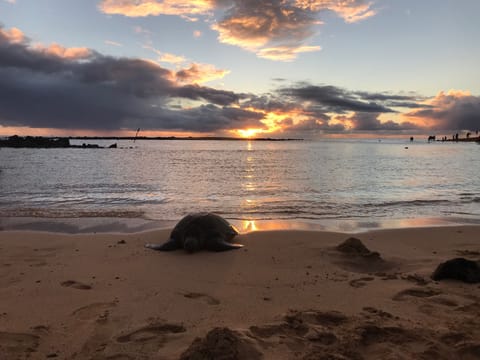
(219, 97)
(47, 88)
(313, 127)
(269, 102)
(385, 96)
(452, 111)
(77, 88)
(333, 99)
(370, 122)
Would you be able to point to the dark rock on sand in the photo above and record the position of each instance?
(221, 343)
(458, 269)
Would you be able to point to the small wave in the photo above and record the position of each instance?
(69, 213)
(401, 203)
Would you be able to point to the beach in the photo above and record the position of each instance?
(285, 295)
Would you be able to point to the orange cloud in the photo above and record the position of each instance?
(200, 73)
(14, 35)
(349, 10)
(285, 53)
(242, 31)
(75, 53)
(273, 31)
(166, 57)
(171, 58)
(140, 8)
(194, 74)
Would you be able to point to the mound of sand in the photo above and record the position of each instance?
(221, 343)
(354, 247)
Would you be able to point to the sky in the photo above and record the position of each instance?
(278, 68)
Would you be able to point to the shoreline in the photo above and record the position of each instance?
(287, 294)
(127, 225)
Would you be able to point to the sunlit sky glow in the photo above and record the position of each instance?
(278, 68)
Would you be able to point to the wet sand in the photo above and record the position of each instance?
(285, 295)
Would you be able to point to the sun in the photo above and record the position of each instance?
(248, 133)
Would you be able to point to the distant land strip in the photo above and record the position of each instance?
(64, 142)
(222, 138)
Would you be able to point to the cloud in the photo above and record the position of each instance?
(349, 10)
(195, 73)
(370, 122)
(454, 110)
(200, 73)
(219, 97)
(113, 43)
(276, 29)
(16, 51)
(269, 28)
(170, 58)
(332, 99)
(77, 88)
(48, 88)
(75, 53)
(141, 30)
(141, 8)
(285, 53)
(14, 35)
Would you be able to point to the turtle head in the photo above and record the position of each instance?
(191, 244)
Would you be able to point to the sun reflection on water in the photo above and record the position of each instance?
(249, 225)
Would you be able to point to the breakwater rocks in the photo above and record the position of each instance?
(44, 143)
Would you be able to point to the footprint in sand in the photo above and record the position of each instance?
(416, 292)
(120, 357)
(76, 285)
(95, 311)
(372, 334)
(17, 345)
(150, 332)
(209, 299)
(454, 338)
(469, 351)
(360, 282)
(377, 312)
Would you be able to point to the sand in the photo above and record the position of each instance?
(286, 295)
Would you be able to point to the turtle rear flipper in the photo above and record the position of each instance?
(170, 245)
(222, 245)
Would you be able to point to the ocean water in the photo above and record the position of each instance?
(331, 183)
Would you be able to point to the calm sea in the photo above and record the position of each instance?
(337, 184)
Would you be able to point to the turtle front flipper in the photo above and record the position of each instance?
(170, 245)
(218, 244)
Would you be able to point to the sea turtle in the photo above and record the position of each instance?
(200, 231)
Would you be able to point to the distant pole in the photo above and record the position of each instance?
(136, 134)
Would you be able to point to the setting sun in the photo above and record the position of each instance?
(248, 133)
